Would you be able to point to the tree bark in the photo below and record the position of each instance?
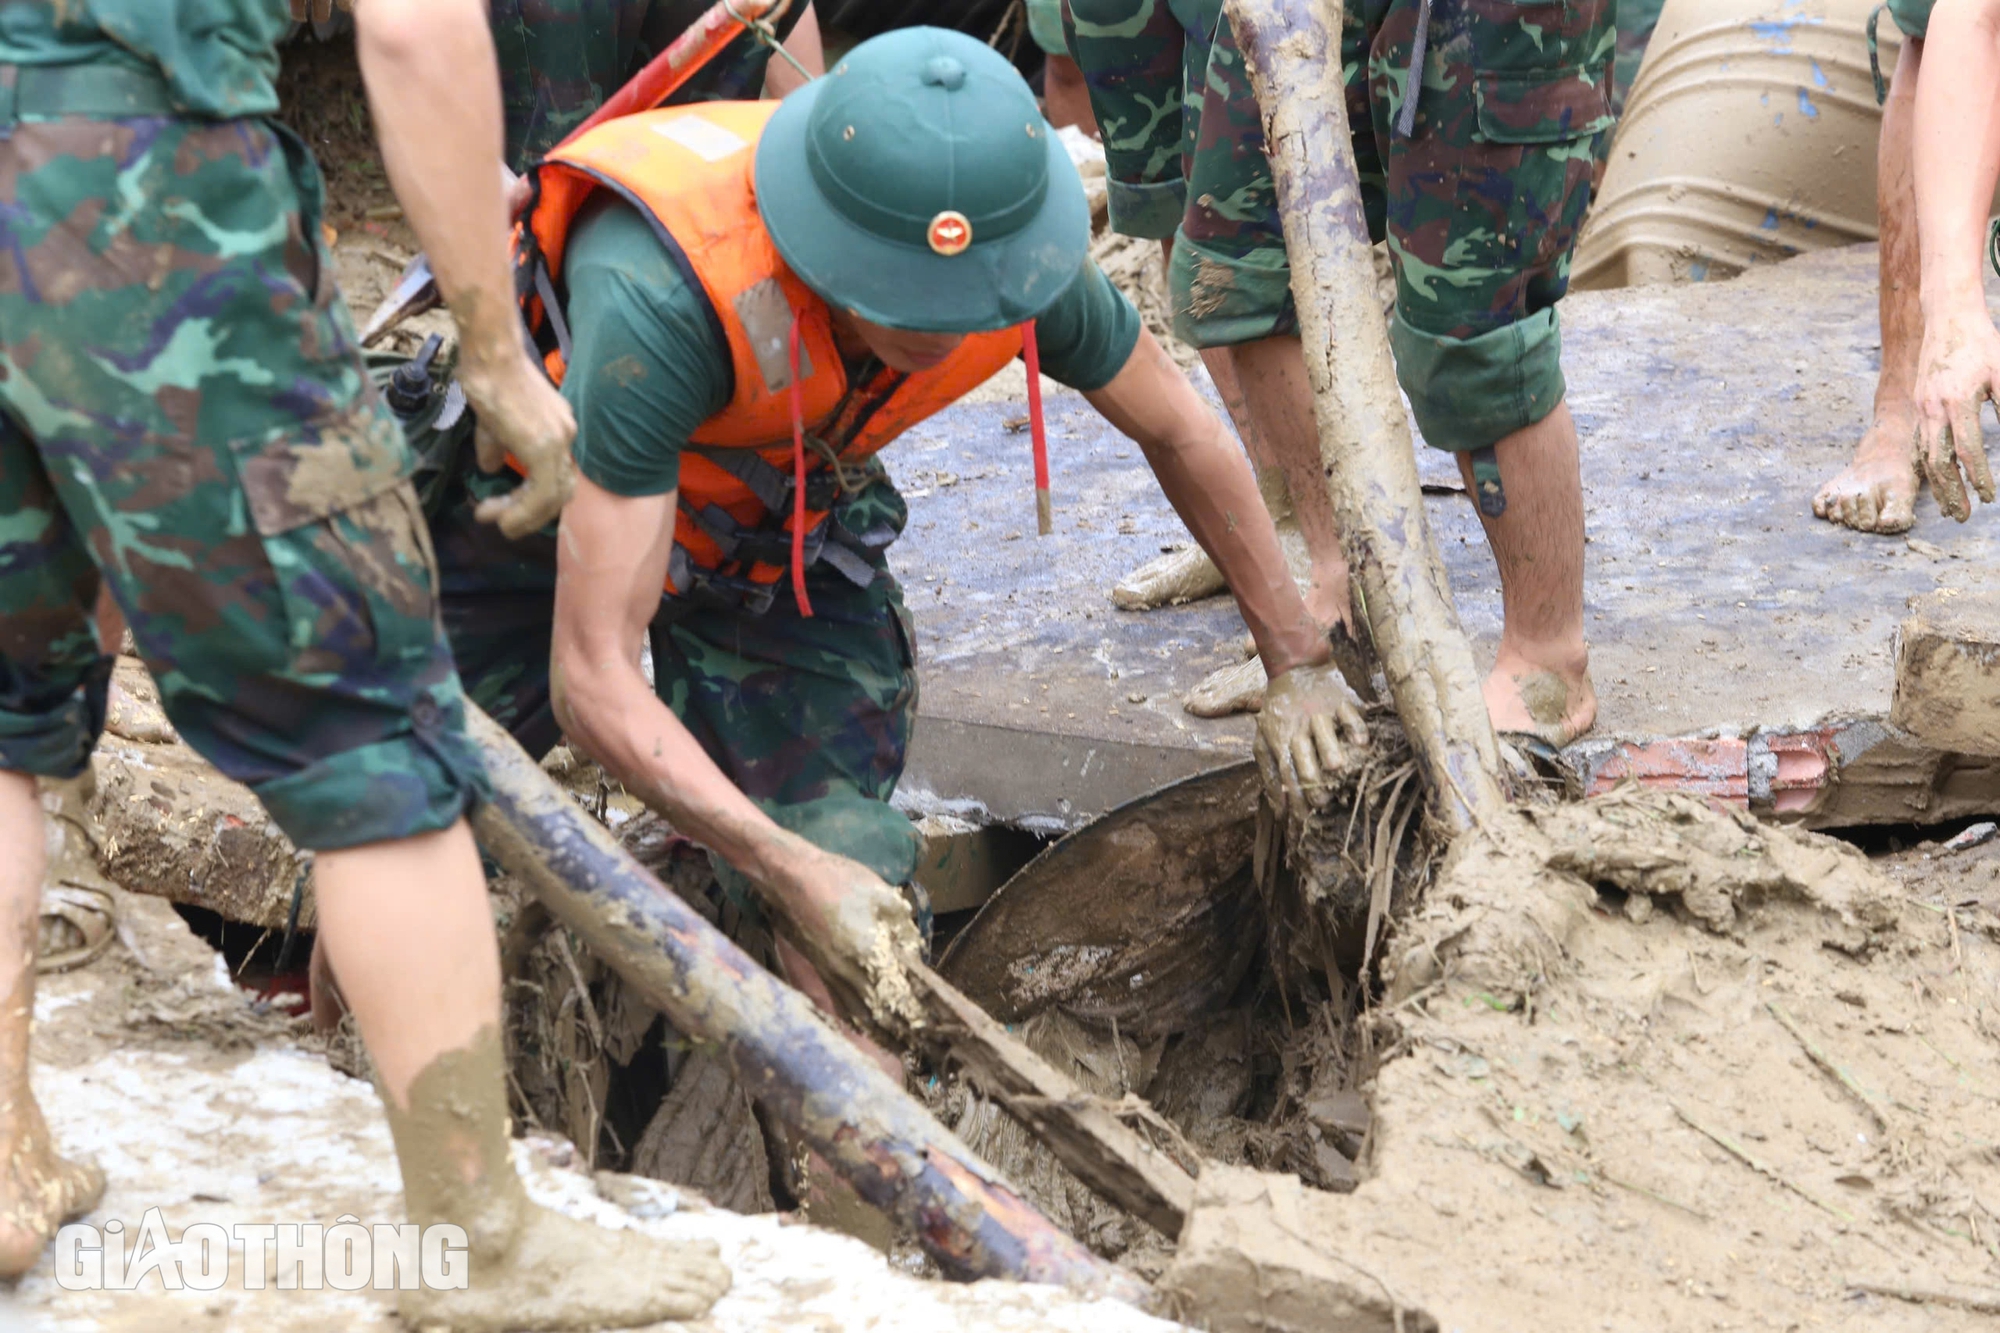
(814, 1080)
(1292, 49)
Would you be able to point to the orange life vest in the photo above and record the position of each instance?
(751, 493)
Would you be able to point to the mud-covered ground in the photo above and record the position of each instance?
(1686, 1129)
(212, 1108)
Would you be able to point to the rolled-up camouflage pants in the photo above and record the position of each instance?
(1480, 200)
(809, 717)
(187, 420)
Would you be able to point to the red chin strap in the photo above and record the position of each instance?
(798, 480)
(1044, 506)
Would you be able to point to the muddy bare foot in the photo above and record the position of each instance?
(39, 1191)
(1228, 690)
(1877, 492)
(531, 1268)
(564, 1274)
(1529, 700)
(1188, 575)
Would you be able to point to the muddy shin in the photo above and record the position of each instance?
(814, 1080)
(1292, 48)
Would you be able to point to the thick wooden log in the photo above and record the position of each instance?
(1292, 49)
(813, 1079)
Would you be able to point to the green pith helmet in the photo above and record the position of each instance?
(917, 185)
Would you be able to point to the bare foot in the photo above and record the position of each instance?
(1877, 492)
(560, 1273)
(39, 1191)
(1188, 575)
(1525, 698)
(530, 1268)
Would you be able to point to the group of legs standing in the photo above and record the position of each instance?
(1477, 149)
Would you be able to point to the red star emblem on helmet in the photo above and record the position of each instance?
(950, 233)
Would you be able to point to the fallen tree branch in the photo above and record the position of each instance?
(1837, 1073)
(1979, 1302)
(1292, 51)
(783, 1051)
(1758, 1164)
(1085, 1134)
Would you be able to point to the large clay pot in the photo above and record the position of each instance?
(1748, 137)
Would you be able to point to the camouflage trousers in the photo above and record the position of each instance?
(1636, 21)
(809, 717)
(1477, 172)
(187, 421)
(560, 60)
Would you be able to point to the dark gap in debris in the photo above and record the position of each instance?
(252, 953)
(633, 1095)
(1890, 839)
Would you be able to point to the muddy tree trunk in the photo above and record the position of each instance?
(814, 1080)
(1292, 48)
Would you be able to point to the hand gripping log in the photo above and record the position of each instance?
(814, 1080)
(1292, 49)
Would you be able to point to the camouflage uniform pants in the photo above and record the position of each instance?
(809, 717)
(560, 60)
(1636, 21)
(187, 421)
(1480, 201)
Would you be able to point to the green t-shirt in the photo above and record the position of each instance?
(645, 368)
(219, 58)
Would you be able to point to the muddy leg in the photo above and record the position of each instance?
(1274, 410)
(38, 1190)
(1264, 389)
(1540, 683)
(408, 926)
(1270, 375)
(1065, 98)
(1877, 492)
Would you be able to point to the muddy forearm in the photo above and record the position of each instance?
(1210, 485)
(609, 711)
(434, 89)
(1957, 152)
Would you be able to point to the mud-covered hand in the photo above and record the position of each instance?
(858, 933)
(319, 11)
(522, 416)
(1308, 713)
(1957, 371)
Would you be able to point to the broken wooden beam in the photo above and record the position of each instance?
(1292, 50)
(818, 1083)
(1083, 1131)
